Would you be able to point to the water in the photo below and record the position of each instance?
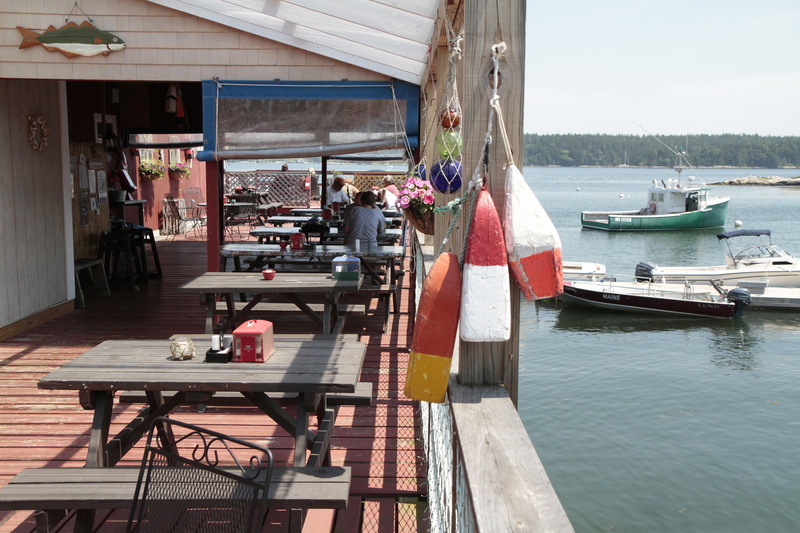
(647, 423)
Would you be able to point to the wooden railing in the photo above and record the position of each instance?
(483, 472)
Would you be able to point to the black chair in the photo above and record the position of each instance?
(200, 481)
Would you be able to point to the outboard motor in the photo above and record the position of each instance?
(644, 271)
(740, 298)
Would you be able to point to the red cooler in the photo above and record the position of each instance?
(252, 342)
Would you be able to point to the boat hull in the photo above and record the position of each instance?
(712, 216)
(601, 298)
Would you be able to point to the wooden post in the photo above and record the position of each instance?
(488, 23)
(214, 223)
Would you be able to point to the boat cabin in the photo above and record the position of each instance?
(672, 197)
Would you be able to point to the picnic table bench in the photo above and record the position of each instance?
(53, 490)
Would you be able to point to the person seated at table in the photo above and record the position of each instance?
(336, 192)
(364, 222)
(389, 199)
(350, 188)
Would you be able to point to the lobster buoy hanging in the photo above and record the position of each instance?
(435, 331)
(532, 242)
(485, 288)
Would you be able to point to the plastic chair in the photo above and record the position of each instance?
(203, 481)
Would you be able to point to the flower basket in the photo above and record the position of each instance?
(417, 201)
(178, 174)
(150, 176)
(421, 221)
(151, 171)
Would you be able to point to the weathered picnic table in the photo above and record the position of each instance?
(321, 255)
(293, 286)
(309, 365)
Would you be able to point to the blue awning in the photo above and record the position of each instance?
(279, 119)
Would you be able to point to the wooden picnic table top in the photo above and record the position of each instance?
(320, 250)
(310, 364)
(246, 282)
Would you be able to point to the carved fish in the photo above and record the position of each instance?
(73, 40)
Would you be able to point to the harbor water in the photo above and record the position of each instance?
(650, 423)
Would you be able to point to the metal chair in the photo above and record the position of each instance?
(237, 216)
(193, 197)
(179, 217)
(202, 481)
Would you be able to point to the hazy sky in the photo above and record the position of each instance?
(673, 67)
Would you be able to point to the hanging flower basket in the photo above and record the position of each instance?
(151, 171)
(178, 174)
(422, 221)
(179, 170)
(417, 201)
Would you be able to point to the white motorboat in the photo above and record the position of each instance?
(583, 270)
(751, 261)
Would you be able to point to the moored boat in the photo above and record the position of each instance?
(585, 270)
(751, 260)
(640, 297)
(671, 205)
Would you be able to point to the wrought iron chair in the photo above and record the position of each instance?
(197, 483)
(177, 218)
(193, 197)
(242, 214)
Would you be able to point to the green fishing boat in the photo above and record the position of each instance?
(671, 205)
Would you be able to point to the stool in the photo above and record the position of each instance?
(116, 243)
(87, 265)
(144, 236)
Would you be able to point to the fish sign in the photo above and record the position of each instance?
(73, 40)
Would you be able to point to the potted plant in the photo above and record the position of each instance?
(179, 170)
(417, 202)
(152, 170)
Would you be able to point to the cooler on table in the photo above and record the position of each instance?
(345, 267)
(252, 342)
(297, 241)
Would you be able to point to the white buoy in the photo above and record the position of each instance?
(577, 189)
(738, 224)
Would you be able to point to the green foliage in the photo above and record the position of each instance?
(573, 150)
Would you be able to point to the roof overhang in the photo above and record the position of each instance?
(382, 37)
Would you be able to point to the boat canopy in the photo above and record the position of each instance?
(744, 232)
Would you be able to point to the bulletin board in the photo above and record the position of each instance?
(89, 172)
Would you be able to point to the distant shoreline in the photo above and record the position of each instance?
(762, 181)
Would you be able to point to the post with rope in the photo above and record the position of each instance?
(497, 25)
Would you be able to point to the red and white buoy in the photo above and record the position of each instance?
(532, 242)
(485, 288)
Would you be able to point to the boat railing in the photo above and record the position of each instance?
(685, 288)
(473, 428)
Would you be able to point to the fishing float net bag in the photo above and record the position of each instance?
(264, 120)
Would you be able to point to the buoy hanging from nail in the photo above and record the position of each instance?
(485, 287)
(532, 242)
(435, 331)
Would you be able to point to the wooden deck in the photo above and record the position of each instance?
(49, 428)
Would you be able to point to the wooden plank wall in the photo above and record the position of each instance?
(86, 238)
(32, 237)
(162, 44)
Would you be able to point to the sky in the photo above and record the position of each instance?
(662, 67)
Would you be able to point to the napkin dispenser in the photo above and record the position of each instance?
(297, 241)
(346, 268)
(253, 342)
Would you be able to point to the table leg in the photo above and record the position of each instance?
(301, 433)
(103, 402)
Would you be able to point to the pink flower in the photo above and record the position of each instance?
(404, 202)
(429, 198)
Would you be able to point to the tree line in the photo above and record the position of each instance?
(729, 150)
